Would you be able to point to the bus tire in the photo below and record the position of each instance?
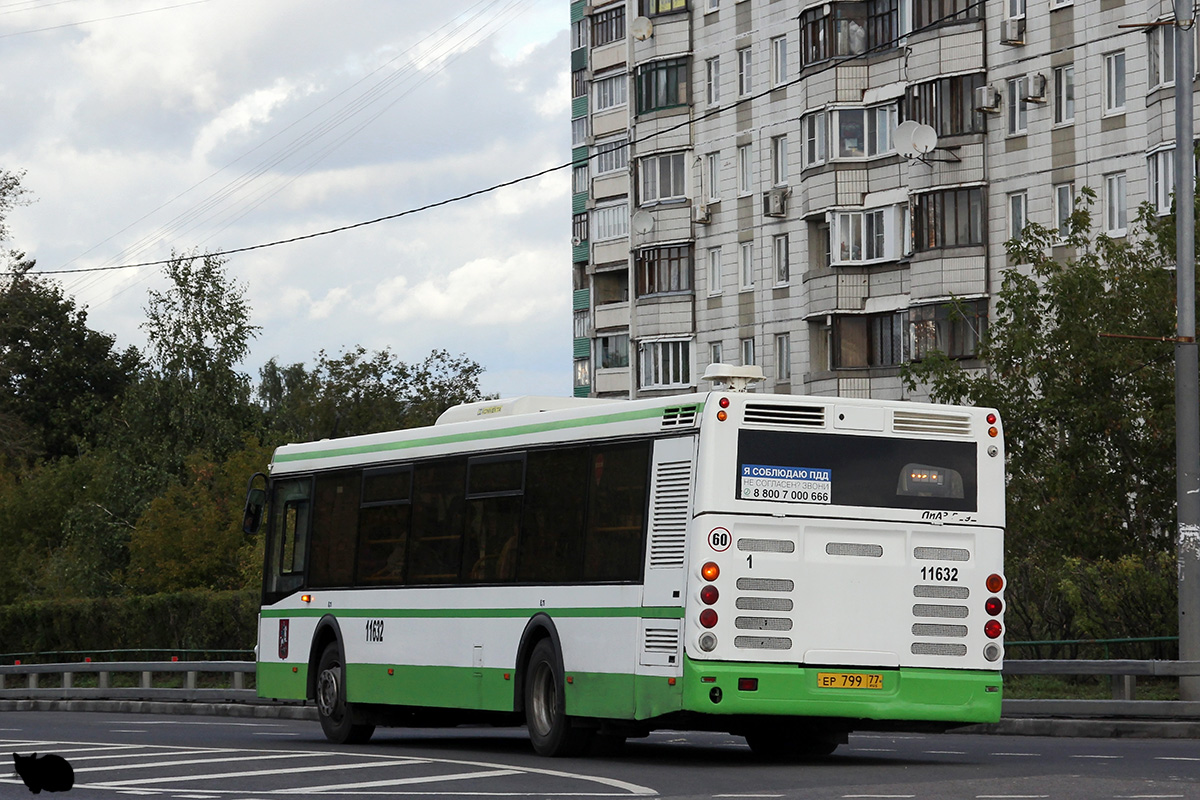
(550, 729)
(337, 715)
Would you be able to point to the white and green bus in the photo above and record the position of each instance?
(784, 568)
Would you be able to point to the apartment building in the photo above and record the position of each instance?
(745, 192)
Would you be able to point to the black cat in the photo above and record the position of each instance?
(52, 773)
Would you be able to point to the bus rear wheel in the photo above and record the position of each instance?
(335, 713)
(550, 729)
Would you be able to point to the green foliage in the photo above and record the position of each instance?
(360, 392)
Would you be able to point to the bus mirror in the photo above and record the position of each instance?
(256, 501)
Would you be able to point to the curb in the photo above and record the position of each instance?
(245, 710)
(1088, 728)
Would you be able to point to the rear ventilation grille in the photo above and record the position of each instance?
(679, 417)
(762, 624)
(785, 416)
(661, 640)
(925, 629)
(854, 549)
(766, 546)
(942, 592)
(926, 422)
(943, 612)
(764, 604)
(668, 522)
(765, 584)
(941, 554)
(765, 643)
(938, 649)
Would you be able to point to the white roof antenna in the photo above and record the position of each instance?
(735, 379)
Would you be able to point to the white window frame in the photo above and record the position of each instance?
(583, 372)
(779, 60)
(662, 178)
(716, 353)
(783, 357)
(712, 167)
(745, 165)
(712, 78)
(1014, 9)
(714, 270)
(581, 180)
(1017, 107)
(610, 91)
(875, 123)
(609, 222)
(747, 348)
(779, 160)
(711, 5)
(611, 155)
(1018, 213)
(745, 71)
(867, 236)
(579, 131)
(1160, 179)
(1116, 210)
(814, 128)
(1160, 55)
(1064, 207)
(781, 259)
(746, 266)
(1115, 88)
(1064, 94)
(580, 33)
(664, 364)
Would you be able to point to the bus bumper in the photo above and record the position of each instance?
(755, 689)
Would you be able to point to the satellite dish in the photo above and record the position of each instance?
(924, 139)
(643, 222)
(641, 28)
(904, 138)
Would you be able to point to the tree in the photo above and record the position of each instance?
(360, 392)
(1088, 410)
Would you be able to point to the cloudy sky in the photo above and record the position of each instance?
(146, 126)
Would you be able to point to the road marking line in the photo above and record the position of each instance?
(1097, 756)
(946, 752)
(1018, 755)
(250, 774)
(189, 762)
(747, 795)
(1010, 796)
(1175, 758)
(879, 796)
(872, 749)
(340, 787)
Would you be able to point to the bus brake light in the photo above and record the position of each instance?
(992, 629)
(708, 618)
(709, 595)
(993, 606)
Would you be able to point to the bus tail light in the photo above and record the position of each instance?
(708, 641)
(991, 651)
(709, 595)
(710, 571)
(992, 629)
(993, 606)
(747, 684)
(995, 583)
(708, 618)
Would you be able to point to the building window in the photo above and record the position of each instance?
(583, 372)
(611, 155)
(1017, 214)
(745, 169)
(712, 171)
(650, 7)
(781, 258)
(779, 60)
(712, 80)
(579, 83)
(580, 322)
(579, 131)
(1016, 9)
(1064, 206)
(783, 357)
(1161, 43)
(864, 236)
(1114, 83)
(608, 26)
(1064, 95)
(948, 218)
(712, 5)
(746, 264)
(779, 160)
(610, 92)
(1018, 108)
(955, 330)
(716, 353)
(610, 222)
(1160, 174)
(748, 352)
(714, 270)
(863, 132)
(1115, 221)
(612, 352)
(664, 270)
(745, 71)
(846, 29)
(947, 104)
(579, 178)
(579, 34)
(665, 364)
(868, 341)
(813, 126)
(611, 286)
(662, 178)
(579, 227)
(929, 13)
(662, 84)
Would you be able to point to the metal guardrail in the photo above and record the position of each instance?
(1123, 672)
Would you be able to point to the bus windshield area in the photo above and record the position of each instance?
(849, 470)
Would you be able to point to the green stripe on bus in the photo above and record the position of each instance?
(284, 681)
(519, 430)
(473, 613)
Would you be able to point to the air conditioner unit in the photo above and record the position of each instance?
(986, 99)
(1012, 31)
(1037, 89)
(701, 214)
(775, 203)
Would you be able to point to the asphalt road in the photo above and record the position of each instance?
(196, 758)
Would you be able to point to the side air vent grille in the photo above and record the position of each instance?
(925, 422)
(661, 640)
(766, 545)
(941, 592)
(668, 521)
(938, 649)
(784, 416)
(766, 643)
(854, 549)
(941, 553)
(679, 417)
(765, 584)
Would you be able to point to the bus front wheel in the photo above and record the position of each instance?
(550, 728)
(337, 715)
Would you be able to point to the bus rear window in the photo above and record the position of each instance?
(847, 470)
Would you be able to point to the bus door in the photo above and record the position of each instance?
(287, 538)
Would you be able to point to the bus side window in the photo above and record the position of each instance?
(435, 546)
(335, 518)
(384, 526)
(288, 545)
(551, 545)
(494, 488)
(618, 486)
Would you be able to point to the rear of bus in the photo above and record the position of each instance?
(846, 567)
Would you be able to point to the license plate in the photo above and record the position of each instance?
(849, 680)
